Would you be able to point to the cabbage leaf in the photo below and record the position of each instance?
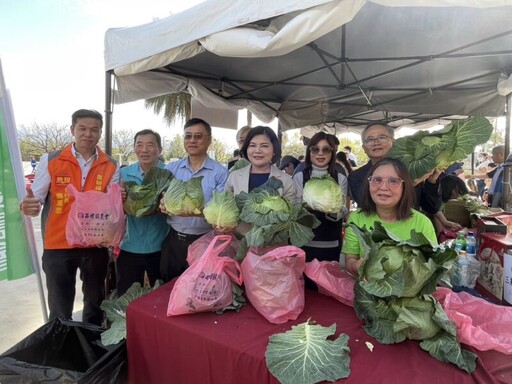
(424, 151)
(304, 354)
(393, 294)
(144, 199)
(115, 310)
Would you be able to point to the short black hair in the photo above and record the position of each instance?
(348, 148)
(81, 113)
(149, 132)
(263, 130)
(196, 121)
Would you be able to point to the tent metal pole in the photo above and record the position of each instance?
(508, 107)
(507, 192)
(108, 112)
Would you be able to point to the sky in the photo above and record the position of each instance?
(52, 58)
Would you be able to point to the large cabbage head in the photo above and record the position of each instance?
(263, 208)
(184, 198)
(221, 211)
(323, 194)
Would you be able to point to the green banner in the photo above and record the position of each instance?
(15, 258)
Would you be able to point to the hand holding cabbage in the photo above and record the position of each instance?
(324, 194)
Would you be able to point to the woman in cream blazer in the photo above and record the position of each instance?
(262, 149)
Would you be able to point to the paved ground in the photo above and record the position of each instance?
(20, 305)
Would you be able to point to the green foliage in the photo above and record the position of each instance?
(144, 199)
(324, 194)
(304, 354)
(424, 151)
(115, 310)
(184, 198)
(221, 211)
(175, 106)
(393, 295)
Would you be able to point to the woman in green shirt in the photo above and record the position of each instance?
(388, 197)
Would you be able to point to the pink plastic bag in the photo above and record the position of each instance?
(332, 280)
(274, 283)
(198, 247)
(206, 285)
(481, 324)
(95, 218)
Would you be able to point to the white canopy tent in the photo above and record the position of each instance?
(339, 63)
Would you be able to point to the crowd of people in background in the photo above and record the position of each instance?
(156, 246)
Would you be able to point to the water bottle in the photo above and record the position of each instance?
(463, 269)
(471, 245)
(460, 242)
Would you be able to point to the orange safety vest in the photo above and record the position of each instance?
(64, 169)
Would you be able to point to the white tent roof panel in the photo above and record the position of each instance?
(315, 62)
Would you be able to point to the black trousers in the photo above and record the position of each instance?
(174, 254)
(130, 268)
(60, 267)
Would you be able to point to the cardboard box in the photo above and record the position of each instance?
(489, 224)
(495, 279)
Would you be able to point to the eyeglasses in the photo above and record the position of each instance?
(378, 139)
(316, 150)
(392, 182)
(196, 136)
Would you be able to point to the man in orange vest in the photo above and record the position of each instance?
(83, 164)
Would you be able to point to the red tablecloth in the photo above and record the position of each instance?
(230, 348)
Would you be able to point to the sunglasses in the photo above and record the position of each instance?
(316, 150)
(195, 136)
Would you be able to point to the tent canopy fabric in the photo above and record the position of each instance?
(334, 63)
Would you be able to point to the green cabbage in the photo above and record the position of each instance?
(274, 220)
(239, 164)
(424, 151)
(323, 194)
(184, 198)
(144, 199)
(221, 211)
(393, 294)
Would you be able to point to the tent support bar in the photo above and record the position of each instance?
(108, 112)
(507, 192)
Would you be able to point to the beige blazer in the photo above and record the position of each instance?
(238, 181)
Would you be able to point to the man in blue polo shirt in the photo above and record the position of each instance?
(184, 230)
(142, 242)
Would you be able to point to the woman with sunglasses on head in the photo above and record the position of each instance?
(321, 159)
(388, 197)
(261, 147)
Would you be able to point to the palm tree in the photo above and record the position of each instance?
(175, 106)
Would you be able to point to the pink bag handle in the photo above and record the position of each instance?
(284, 251)
(223, 241)
(215, 250)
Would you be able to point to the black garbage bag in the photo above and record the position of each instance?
(64, 352)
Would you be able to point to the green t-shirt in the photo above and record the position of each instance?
(402, 229)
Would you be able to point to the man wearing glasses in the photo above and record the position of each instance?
(378, 139)
(184, 230)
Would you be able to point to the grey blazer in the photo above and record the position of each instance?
(238, 181)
